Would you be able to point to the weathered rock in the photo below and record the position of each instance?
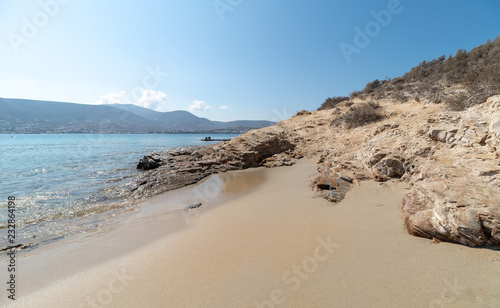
(336, 185)
(424, 151)
(387, 168)
(334, 195)
(302, 113)
(287, 158)
(194, 206)
(446, 203)
(384, 164)
(346, 178)
(150, 161)
(171, 169)
(385, 127)
(451, 159)
(452, 163)
(154, 160)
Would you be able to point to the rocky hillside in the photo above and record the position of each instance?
(459, 81)
(436, 128)
(451, 160)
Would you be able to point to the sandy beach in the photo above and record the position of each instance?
(231, 153)
(266, 241)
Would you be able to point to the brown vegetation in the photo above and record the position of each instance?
(459, 81)
(332, 102)
(359, 115)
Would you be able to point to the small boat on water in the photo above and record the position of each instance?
(210, 139)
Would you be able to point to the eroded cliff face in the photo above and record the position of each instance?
(455, 194)
(451, 161)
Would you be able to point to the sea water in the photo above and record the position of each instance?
(61, 182)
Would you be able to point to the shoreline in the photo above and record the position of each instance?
(354, 253)
(148, 221)
(83, 189)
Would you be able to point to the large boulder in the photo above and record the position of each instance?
(447, 203)
(150, 161)
(455, 195)
(254, 146)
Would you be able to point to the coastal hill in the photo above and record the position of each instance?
(181, 119)
(32, 116)
(459, 81)
(446, 150)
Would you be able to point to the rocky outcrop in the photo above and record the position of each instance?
(287, 158)
(156, 159)
(385, 164)
(448, 204)
(450, 159)
(456, 196)
(334, 187)
(175, 168)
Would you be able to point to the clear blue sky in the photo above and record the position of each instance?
(250, 59)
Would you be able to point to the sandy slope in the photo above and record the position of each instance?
(280, 246)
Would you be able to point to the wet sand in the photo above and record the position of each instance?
(274, 245)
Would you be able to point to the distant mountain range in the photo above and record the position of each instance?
(32, 116)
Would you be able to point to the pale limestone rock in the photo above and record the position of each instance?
(444, 202)
(450, 158)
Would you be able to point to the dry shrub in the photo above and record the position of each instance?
(475, 71)
(360, 115)
(457, 102)
(332, 102)
(371, 86)
(464, 100)
(354, 94)
(399, 97)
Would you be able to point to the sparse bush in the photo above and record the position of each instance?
(360, 115)
(371, 86)
(456, 102)
(476, 72)
(480, 96)
(354, 94)
(464, 100)
(332, 102)
(400, 97)
(398, 80)
(348, 103)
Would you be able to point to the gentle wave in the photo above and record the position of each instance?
(73, 183)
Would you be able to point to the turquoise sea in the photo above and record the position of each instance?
(62, 183)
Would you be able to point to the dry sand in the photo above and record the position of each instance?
(280, 246)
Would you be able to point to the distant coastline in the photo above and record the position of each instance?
(25, 116)
(76, 132)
